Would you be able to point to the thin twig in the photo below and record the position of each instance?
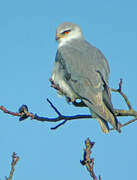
(9, 112)
(125, 124)
(122, 112)
(54, 107)
(15, 159)
(62, 123)
(87, 161)
(119, 90)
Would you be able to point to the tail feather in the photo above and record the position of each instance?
(104, 125)
(111, 118)
(104, 116)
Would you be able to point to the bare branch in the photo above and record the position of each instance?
(60, 124)
(15, 159)
(24, 113)
(54, 107)
(119, 90)
(122, 112)
(87, 161)
(39, 118)
(9, 112)
(125, 124)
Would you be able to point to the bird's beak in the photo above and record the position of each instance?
(59, 36)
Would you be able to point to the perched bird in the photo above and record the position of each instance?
(81, 72)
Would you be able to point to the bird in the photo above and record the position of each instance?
(81, 72)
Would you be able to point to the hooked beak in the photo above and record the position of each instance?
(59, 36)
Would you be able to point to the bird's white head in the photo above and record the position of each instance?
(66, 32)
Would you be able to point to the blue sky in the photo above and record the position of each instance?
(27, 53)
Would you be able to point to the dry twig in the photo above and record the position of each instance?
(87, 161)
(15, 159)
(119, 90)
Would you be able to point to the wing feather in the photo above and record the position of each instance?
(88, 78)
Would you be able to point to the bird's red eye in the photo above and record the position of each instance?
(66, 32)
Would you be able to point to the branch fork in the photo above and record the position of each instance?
(24, 113)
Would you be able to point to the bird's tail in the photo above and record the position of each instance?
(104, 116)
(104, 125)
(109, 117)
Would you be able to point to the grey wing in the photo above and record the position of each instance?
(88, 81)
(96, 98)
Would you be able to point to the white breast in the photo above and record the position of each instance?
(58, 79)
